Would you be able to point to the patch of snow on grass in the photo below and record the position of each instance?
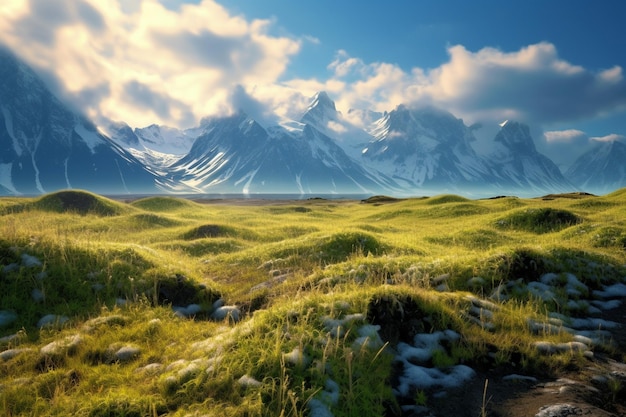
(417, 373)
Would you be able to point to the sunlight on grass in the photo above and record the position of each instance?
(164, 306)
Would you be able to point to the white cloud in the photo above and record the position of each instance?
(565, 136)
(140, 62)
(564, 146)
(532, 84)
(613, 137)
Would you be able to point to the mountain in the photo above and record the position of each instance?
(601, 169)
(167, 140)
(155, 146)
(425, 148)
(322, 115)
(518, 167)
(45, 146)
(236, 154)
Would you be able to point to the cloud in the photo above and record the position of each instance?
(532, 84)
(564, 146)
(566, 136)
(142, 62)
(172, 62)
(242, 101)
(613, 137)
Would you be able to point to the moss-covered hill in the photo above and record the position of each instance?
(163, 306)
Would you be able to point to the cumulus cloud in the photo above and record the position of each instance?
(258, 111)
(147, 61)
(532, 84)
(142, 62)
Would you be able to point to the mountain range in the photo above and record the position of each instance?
(47, 146)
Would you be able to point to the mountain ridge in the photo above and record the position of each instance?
(45, 146)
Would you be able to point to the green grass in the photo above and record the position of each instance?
(115, 270)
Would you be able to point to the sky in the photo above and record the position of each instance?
(556, 65)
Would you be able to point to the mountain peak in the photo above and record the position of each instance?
(320, 111)
(516, 136)
(321, 99)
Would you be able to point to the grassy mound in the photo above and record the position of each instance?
(457, 210)
(380, 199)
(446, 198)
(80, 202)
(147, 220)
(71, 201)
(164, 204)
(539, 220)
(208, 231)
(341, 246)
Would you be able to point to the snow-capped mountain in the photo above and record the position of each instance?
(236, 154)
(45, 146)
(324, 117)
(425, 148)
(156, 146)
(519, 167)
(601, 169)
(167, 140)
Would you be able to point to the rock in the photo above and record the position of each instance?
(189, 311)
(93, 324)
(11, 353)
(37, 295)
(127, 353)
(63, 346)
(121, 302)
(30, 261)
(248, 381)
(151, 368)
(226, 312)
(7, 317)
(52, 320)
(559, 410)
(10, 268)
(10, 338)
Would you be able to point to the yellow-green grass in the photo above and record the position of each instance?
(290, 267)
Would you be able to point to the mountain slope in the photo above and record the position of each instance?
(601, 169)
(518, 166)
(324, 117)
(236, 154)
(44, 146)
(425, 148)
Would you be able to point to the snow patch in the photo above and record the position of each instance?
(6, 180)
(8, 122)
(90, 137)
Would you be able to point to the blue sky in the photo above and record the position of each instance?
(556, 65)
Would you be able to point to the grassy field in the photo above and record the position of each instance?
(164, 306)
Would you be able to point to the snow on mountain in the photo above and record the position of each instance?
(601, 169)
(155, 146)
(45, 146)
(236, 154)
(519, 167)
(425, 148)
(167, 140)
(323, 116)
